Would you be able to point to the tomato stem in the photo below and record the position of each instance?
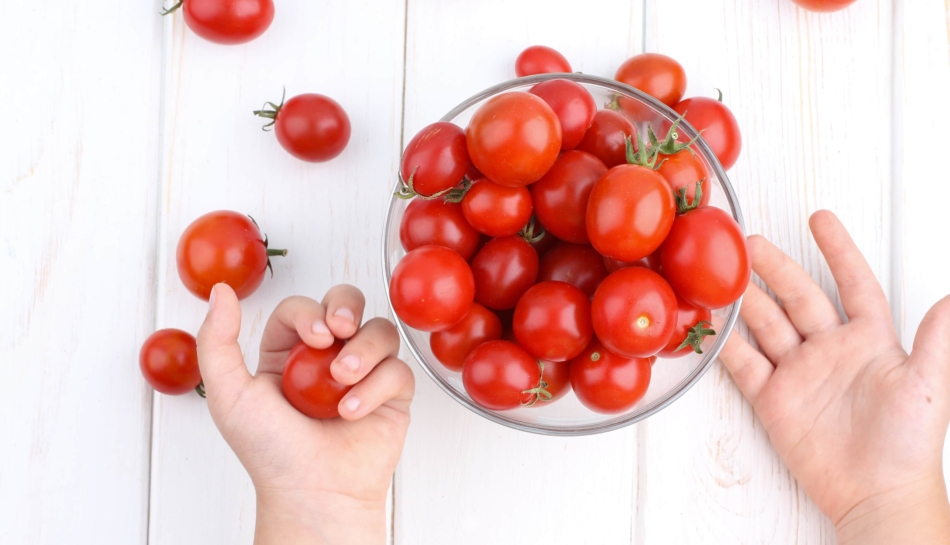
(270, 252)
(682, 201)
(172, 9)
(695, 336)
(271, 113)
(200, 388)
(453, 194)
(532, 232)
(539, 392)
(718, 90)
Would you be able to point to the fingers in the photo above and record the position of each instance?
(344, 304)
(390, 381)
(749, 369)
(373, 343)
(807, 306)
(768, 323)
(219, 354)
(931, 353)
(861, 293)
(295, 318)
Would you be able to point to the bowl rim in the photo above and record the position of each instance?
(623, 420)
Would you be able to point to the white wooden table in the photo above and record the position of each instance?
(120, 127)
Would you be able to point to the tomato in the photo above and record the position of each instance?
(692, 326)
(307, 383)
(578, 265)
(514, 138)
(607, 383)
(440, 223)
(705, 258)
(684, 169)
(656, 75)
(552, 321)
(504, 269)
(824, 5)
(629, 213)
(496, 210)
(717, 124)
(634, 312)
(556, 378)
(605, 139)
(539, 59)
(223, 246)
(651, 262)
(432, 288)
(311, 127)
(435, 161)
(169, 362)
(500, 375)
(226, 22)
(452, 346)
(543, 244)
(560, 197)
(573, 105)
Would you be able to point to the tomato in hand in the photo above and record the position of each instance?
(169, 362)
(226, 22)
(540, 59)
(307, 383)
(436, 222)
(573, 105)
(435, 161)
(504, 269)
(500, 375)
(824, 6)
(496, 210)
(311, 127)
(656, 75)
(223, 246)
(560, 197)
(514, 138)
(692, 327)
(705, 258)
(607, 383)
(684, 169)
(634, 312)
(431, 288)
(606, 138)
(552, 321)
(651, 262)
(718, 126)
(578, 265)
(451, 346)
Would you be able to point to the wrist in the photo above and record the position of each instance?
(917, 514)
(325, 519)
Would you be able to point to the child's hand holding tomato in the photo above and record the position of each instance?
(317, 481)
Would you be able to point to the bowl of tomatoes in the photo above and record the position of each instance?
(564, 254)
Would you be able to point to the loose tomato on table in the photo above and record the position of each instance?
(574, 106)
(657, 75)
(824, 6)
(503, 270)
(307, 383)
(606, 137)
(432, 288)
(226, 22)
(560, 197)
(717, 126)
(552, 321)
(634, 312)
(607, 383)
(451, 346)
(500, 375)
(692, 327)
(436, 222)
(434, 162)
(169, 362)
(311, 127)
(578, 265)
(540, 59)
(496, 210)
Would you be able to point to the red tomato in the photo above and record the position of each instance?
(539, 59)
(432, 288)
(634, 312)
(311, 127)
(629, 213)
(824, 5)
(435, 160)
(684, 169)
(556, 378)
(514, 138)
(453, 345)
(307, 383)
(552, 321)
(607, 383)
(223, 246)
(692, 326)
(169, 362)
(500, 375)
(496, 210)
(440, 223)
(578, 265)
(656, 75)
(227, 22)
(504, 269)
(605, 139)
(651, 262)
(717, 124)
(705, 258)
(560, 197)
(573, 105)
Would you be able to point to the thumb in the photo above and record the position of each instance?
(931, 351)
(219, 354)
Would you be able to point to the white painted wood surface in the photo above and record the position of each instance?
(125, 127)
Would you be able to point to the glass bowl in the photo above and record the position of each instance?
(671, 378)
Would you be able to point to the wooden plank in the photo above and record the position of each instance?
(329, 215)
(78, 159)
(812, 94)
(462, 479)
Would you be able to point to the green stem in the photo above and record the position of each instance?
(200, 388)
(274, 253)
(172, 9)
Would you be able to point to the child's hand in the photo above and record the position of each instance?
(859, 423)
(317, 481)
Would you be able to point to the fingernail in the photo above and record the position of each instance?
(345, 314)
(211, 301)
(351, 362)
(351, 404)
(320, 328)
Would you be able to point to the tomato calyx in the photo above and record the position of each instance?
(695, 336)
(454, 194)
(271, 252)
(682, 201)
(670, 145)
(269, 113)
(532, 232)
(173, 9)
(539, 392)
(200, 388)
(718, 90)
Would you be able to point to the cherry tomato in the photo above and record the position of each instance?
(227, 22)
(496, 210)
(719, 127)
(539, 59)
(684, 169)
(607, 383)
(452, 346)
(824, 5)
(435, 160)
(500, 375)
(432, 288)
(169, 362)
(504, 269)
(692, 326)
(552, 321)
(573, 105)
(634, 312)
(557, 380)
(651, 262)
(629, 213)
(560, 197)
(605, 139)
(440, 223)
(307, 383)
(656, 75)
(578, 265)
(705, 258)
(223, 246)
(514, 138)
(311, 127)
